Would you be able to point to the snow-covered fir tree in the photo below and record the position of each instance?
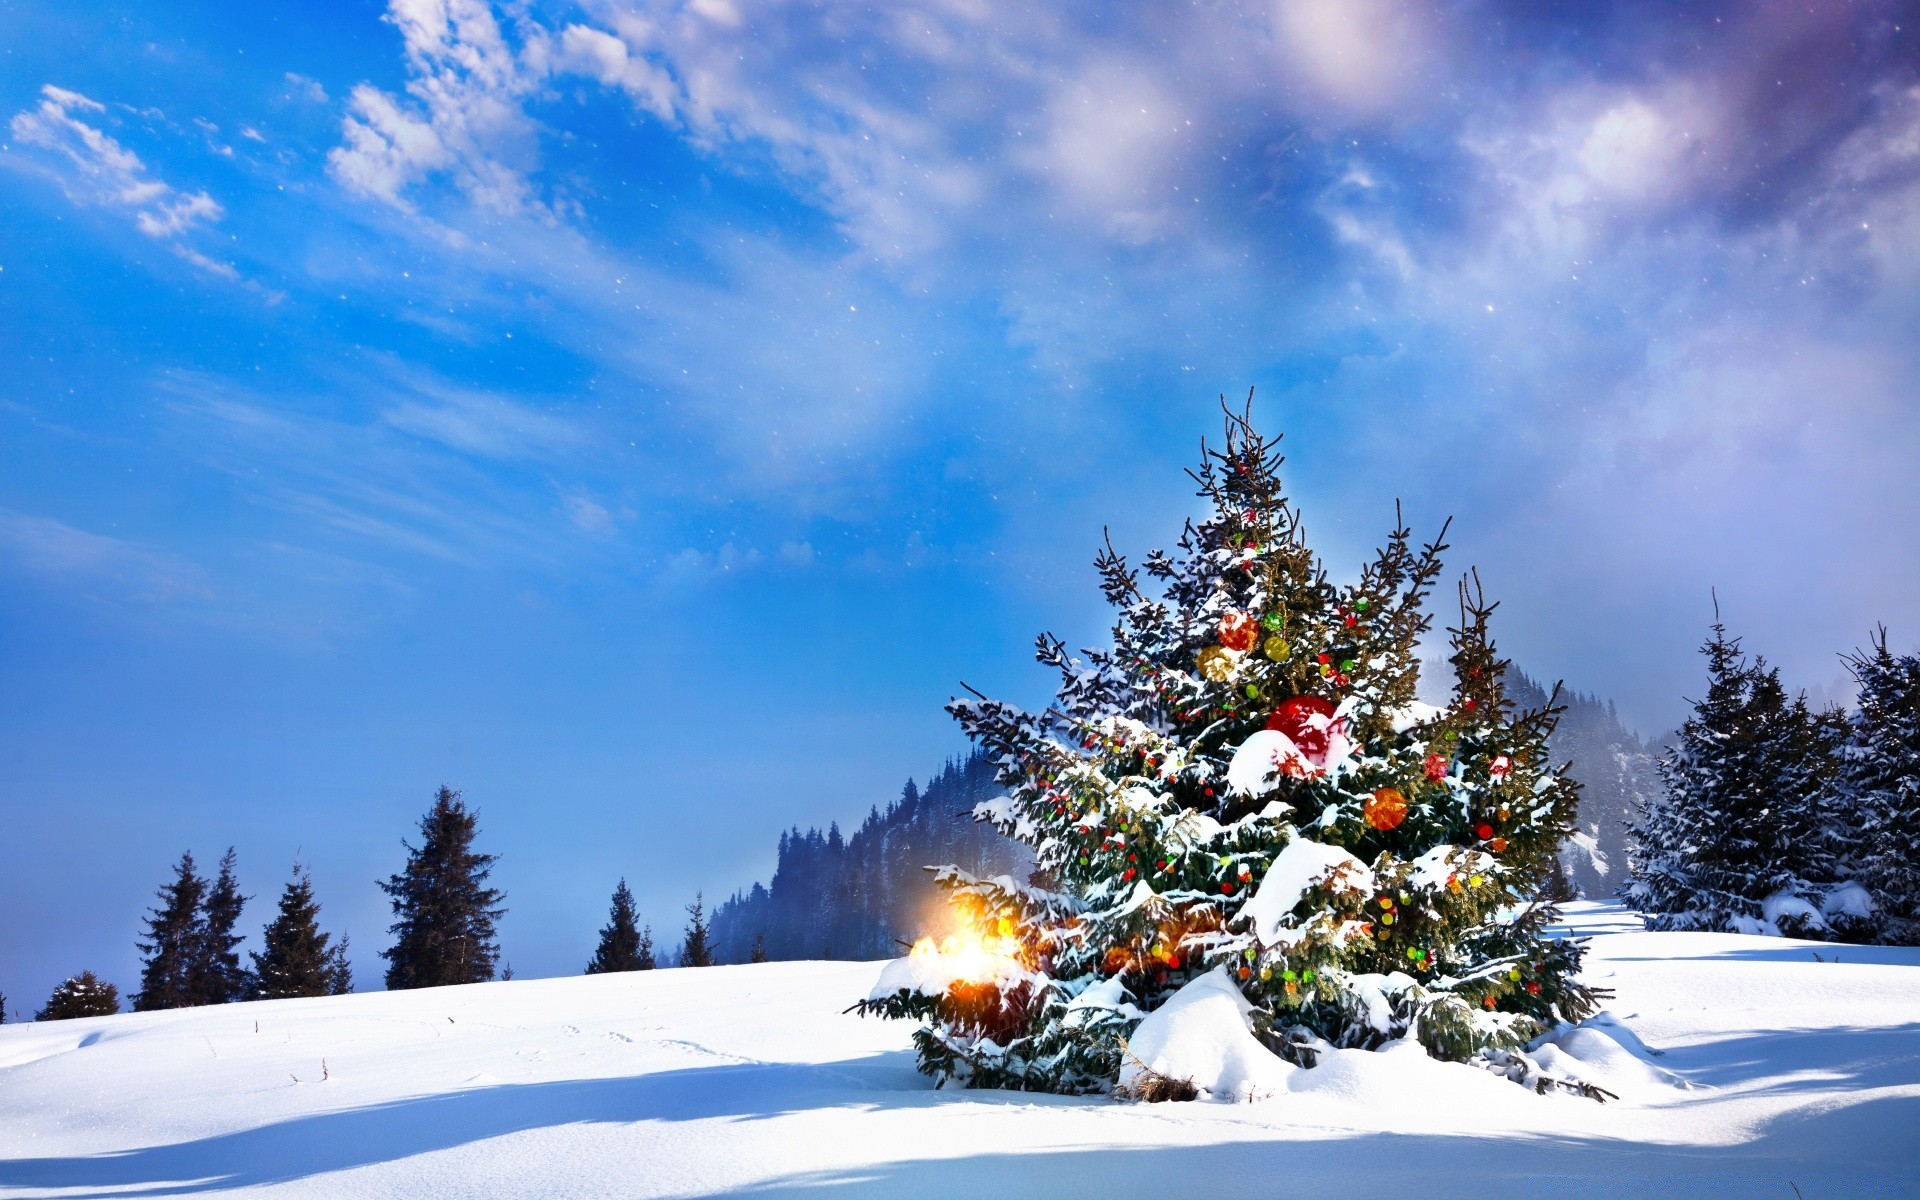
(1741, 838)
(1883, 780)
(83, 995)
(1244, 784)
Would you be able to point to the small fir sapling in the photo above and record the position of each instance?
(697, 949)
(619, 948)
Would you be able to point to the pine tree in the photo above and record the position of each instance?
(644, 954)
(81, 996)
(1245, 783)
(294, 959)
(619, 948)
(759, 954)
(1883, 778)
(173, 946)
(1738, 840)
(696, 950)
(339, 970)
(445, 931)
(217, 976)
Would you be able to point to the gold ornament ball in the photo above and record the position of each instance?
(1276, 648)
(1216, 663)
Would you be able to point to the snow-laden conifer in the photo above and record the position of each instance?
(1244, 780)
(1883, 778)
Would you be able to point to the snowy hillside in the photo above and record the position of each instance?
(1792, 1072)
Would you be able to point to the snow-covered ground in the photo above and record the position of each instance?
(1801, 1072)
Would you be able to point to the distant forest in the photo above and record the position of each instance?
(834, 896)
(859, 897)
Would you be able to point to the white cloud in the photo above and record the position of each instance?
(465, 115)
(96, 170)
(97, 563)
(1365, 56)
(482, 424)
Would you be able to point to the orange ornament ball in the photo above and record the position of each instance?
(1238, 631)
(1386, 808)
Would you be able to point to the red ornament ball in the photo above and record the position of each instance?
(1533, 987)
(1499, 845)
(1238, 631)
(1483, 832)
(1386, 809)
(1436, 768)
(1291, 718)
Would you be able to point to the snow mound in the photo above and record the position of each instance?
(1603, 1052)
(1202, 1035)
(1303, 865)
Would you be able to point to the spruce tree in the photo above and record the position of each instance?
(339, 969)
(1883, 777)
(217, 976)
(644, 955)
(294, 959)
(759, 954)
(697, 949)
(83, 995)
(171, 953)
(619, 948)
(1244, 785)
(446, 913)
(1738, 841)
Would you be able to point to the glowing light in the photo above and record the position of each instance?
(972, 954)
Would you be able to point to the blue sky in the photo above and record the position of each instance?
(643, 416)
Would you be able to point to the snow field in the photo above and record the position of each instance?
(1773, 1070)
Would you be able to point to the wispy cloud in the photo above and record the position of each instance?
(100, 565)
(97, 171)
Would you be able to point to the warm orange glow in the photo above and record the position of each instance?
(973, 955)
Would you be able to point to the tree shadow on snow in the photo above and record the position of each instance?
(1542, 1167)
(321, 1143)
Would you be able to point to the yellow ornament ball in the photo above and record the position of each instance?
(1276, 648)
(1215, 663)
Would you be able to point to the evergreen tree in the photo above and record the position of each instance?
(759, 954)
(1245, 784)
(217, 976)
(446, 913)
(81, 996)
(644, 954)
(697, 950)
(3, 1008)
(1883, 778)
(619, 948)
(294, 959)
(172, 951)
(1738, 841)
(339, 970)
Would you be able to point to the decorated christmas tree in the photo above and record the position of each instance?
(1245, 787)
